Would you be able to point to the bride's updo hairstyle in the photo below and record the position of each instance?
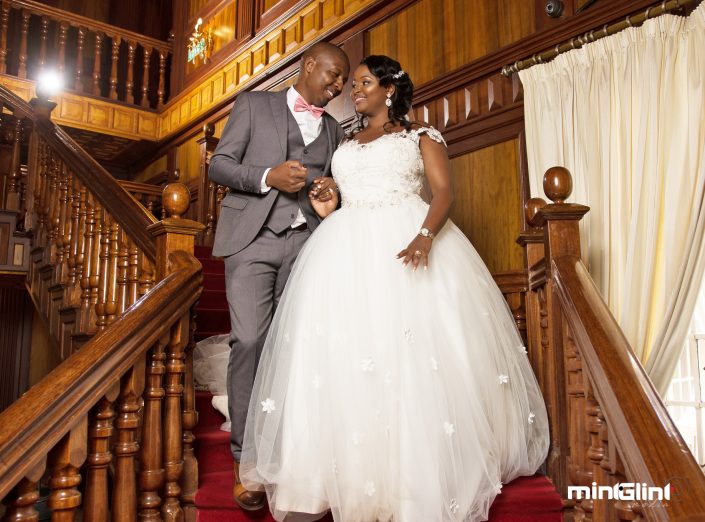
(389, 72)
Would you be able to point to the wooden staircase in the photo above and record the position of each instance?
(110, 431)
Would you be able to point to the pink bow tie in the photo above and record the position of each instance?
(301, 105)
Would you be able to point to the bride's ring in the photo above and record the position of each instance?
(418, 253)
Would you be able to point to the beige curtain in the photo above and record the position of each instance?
(626, 115)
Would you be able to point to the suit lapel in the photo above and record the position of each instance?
(279, 108)
(328, 129)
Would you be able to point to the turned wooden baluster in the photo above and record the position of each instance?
(78, 244)
(112, 94)
(94, 279)
(63, 239)
(96, 62)
(114, 253)
(126, 446)
(22, 69)
(132, 274)
(78, 74)
(22, 499)
(61, 57)
(122, 264)
(189, 478)
(146, 282)
(151, 479)
(162, 83)
(4, 19)
(129, 82)
(87, 311)
(104, 259)
(173, 434)
(65, 460)
(43, 36)
(13, 186)
(99, 458)
(52, 198)
(145, 76)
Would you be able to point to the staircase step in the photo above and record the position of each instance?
(210, 320)
(214, 282)
(212, 299)
(213, 266)
(525, 499)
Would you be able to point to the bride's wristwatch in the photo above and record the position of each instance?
(426, 233)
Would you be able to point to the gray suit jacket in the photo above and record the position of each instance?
(254, 139)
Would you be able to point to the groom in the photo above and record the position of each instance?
(275, 150)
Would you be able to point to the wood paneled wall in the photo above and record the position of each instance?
(488, 203)
(432, 37)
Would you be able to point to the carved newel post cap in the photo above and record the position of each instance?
(557, 184)
(209, 129)
(176, 198)
(532, 207)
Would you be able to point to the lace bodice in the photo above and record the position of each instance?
(385, 171)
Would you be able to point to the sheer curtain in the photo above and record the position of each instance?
(626, 115)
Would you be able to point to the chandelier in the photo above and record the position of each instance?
(200, 43)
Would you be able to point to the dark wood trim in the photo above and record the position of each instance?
(274, 15)
(206, 13)
(495, 127)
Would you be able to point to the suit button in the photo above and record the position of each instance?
(305, 151)
(293, 216)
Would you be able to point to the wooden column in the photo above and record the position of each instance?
(22, 69)
(144, 102)
(4, 19)
(78, 75)
(129, 82)
(96, 62)
(175, 233)
(561, 238)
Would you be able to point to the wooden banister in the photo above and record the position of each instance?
(608, 424)
(130, 53)
(76, 20)
(132, 216)
(42, 416)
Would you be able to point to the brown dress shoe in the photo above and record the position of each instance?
(247, 500)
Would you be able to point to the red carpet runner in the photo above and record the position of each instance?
(526, 499)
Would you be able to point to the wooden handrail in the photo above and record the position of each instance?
(649, 443)
(40, 418)
(112, 196)
(89, 23)
(608, 424)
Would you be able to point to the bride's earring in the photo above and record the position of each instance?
(388, 101)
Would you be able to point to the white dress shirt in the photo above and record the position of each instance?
(310, 128)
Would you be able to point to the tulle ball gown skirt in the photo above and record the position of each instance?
(387, 394)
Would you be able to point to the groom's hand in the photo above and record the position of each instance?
(290, 176)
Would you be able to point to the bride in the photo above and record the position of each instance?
(385, 392)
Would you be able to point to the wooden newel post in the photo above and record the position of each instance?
(179, 417)
(560, 219)
(174, 233)
(561, 237)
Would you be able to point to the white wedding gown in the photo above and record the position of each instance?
(383, 393)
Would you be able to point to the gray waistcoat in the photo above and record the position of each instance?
(314, 157)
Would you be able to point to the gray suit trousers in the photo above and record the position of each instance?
(254, 281)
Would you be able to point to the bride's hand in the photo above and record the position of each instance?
(417, 252)
(324, 197)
